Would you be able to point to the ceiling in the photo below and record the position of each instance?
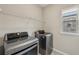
(43, 5)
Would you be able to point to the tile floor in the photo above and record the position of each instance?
(54, 53)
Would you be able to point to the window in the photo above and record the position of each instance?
(70, 22)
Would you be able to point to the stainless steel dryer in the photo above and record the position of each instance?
(45, 43)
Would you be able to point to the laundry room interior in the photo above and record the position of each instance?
(39, 29)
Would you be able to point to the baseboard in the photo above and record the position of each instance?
(60, 52)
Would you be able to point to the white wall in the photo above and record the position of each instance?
(17, 18)
(65, 43)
